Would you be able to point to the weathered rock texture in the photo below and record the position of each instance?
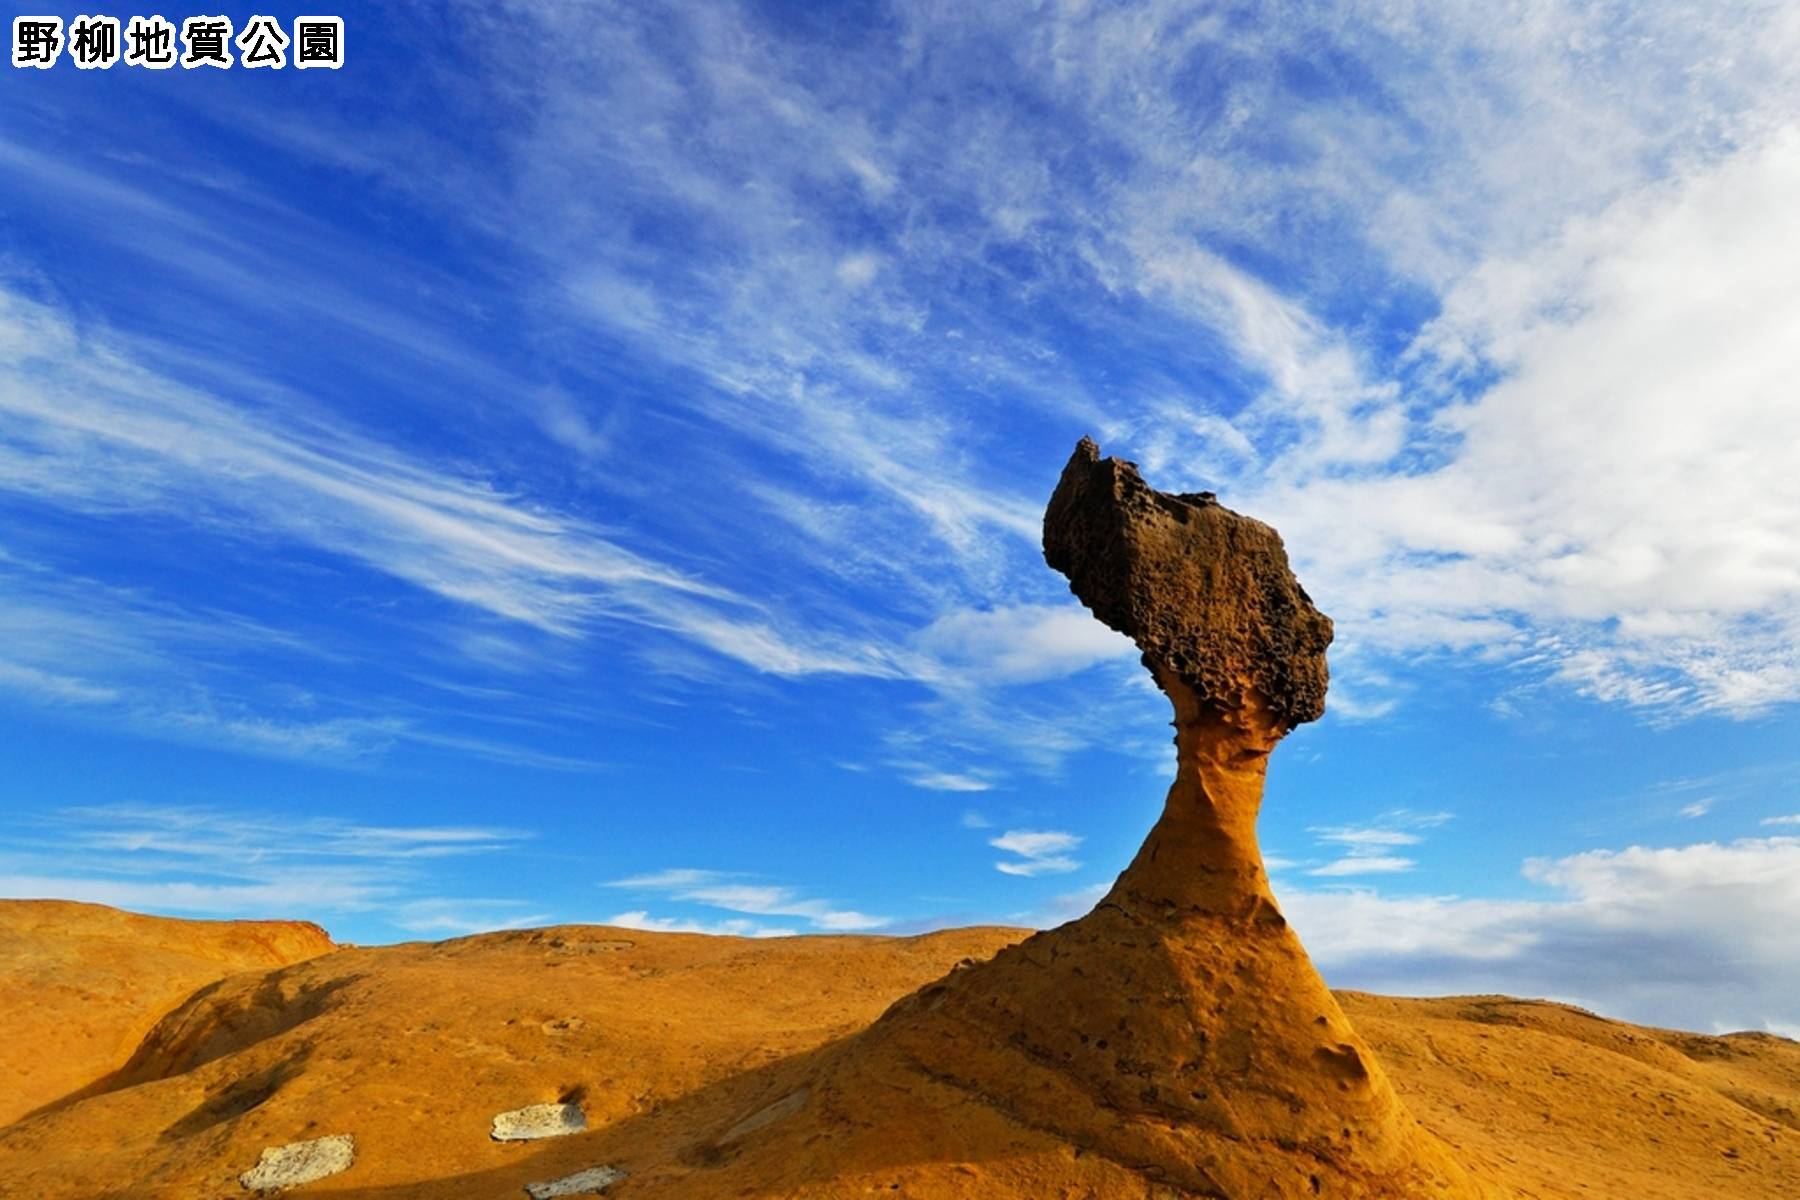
(1205, 592)
(296, 1163)
(1179, 1030)
(535, 1122)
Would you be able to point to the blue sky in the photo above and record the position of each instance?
(584, 463)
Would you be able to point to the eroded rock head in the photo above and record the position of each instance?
(1206, 593)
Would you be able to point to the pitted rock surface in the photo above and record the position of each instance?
(1206, 593)
(300, 1162)
(536, 1121)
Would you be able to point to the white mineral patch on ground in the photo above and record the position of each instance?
(538, 1121)
(300, 1162)
(581, 1183)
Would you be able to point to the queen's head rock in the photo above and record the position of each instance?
(1177, 1035)
(1206, 593)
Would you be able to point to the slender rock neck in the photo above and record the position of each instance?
(1202, 856)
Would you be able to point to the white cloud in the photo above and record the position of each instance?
(1789, 820)
(282, 897)
(1351, 704)
(951, 781)
(1364, 864)
(97, 431)
(1032, 844)
(720, 889)
(666, 880)
(858, 270)
(1055, 865)
(1367, 837)
(223, 837)
(1583, 510)
(64, 688)
(641, 919)
(1022, 643)
(1698, 808)
(1038, 852)
(218, 862)
(1370, 850)
(1589, 512)
(974, 820)
(1695, 936)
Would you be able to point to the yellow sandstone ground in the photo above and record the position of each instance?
(669, 1041)
(80, 985)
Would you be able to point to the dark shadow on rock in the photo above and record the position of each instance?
(215, 1021)
(238, 1097)
(677, 1135)
(775, 1123)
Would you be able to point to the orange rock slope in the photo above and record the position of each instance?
(81, 984)
(670, 1041)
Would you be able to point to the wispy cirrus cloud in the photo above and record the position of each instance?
(132, 660)
(638, 918)
(1364, 864)
(224, 837)
(736, 893)
(1036, 851)
(1021, 643)
(94, 429)
(1373, 849)
(100, 433)
(950, 781)
(210, 860)
(1392, 471)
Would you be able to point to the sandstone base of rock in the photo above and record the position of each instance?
(1178, 1034)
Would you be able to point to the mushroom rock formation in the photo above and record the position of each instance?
(1179, 1029)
